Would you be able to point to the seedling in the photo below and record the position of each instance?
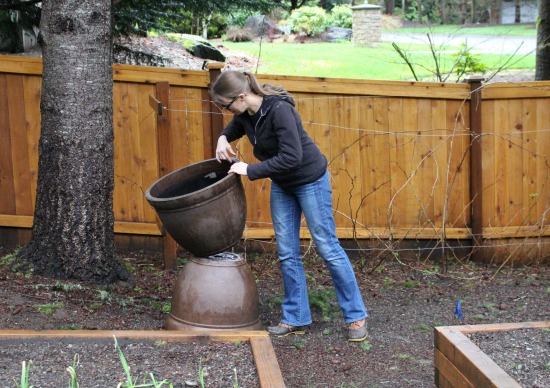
(126, 302)
(25, 369)
(48, 308)
(275, 302)
(410, 283)
(403, 356)
(480, 317)
(130, 382)
(423, 328)
(366, 346)
(201, 373)
(104, 296)
(323, 298)
(73, 381)
(300, 343)
(66, 287)
(388, 282)
(235, 379)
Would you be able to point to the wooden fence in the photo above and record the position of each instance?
(438, 162)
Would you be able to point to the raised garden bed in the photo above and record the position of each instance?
(146, 352)
(459, 362)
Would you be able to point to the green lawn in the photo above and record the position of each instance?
(343, 60)
(503, 29)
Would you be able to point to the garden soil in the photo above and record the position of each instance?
(405, 300)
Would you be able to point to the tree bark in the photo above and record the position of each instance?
(542, 67)
(73, 230)
(517, 11)
(496, 9)
(390, 7)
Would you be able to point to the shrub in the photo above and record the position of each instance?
(340, 16)
(391, 22)
(235, 34)
(309, 20)
(238, 18)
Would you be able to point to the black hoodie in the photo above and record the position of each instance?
(288, 155)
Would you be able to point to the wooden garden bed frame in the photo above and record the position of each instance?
(267, 367)
(460, 363)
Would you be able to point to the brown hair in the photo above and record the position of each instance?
(231, 83)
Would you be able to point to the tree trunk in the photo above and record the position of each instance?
(542, 69)
(72, 234)
(463, 11)
(442, 9)
(390, 7)
(517, 11)
(496, 9)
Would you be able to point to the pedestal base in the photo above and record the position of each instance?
(215, 293)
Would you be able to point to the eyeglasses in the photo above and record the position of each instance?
(228, 105)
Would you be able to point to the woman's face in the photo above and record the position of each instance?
(235, 104)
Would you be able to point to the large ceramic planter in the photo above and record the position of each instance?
(201, 206)
(215, 294)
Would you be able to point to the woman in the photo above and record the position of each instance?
(299, 184)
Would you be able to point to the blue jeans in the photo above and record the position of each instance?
(315, 201)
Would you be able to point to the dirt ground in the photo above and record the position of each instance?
(405, 300)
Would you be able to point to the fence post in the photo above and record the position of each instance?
(476, 168)
(166, 162)
(214, 121)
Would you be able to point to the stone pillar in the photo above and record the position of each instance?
(366, 25)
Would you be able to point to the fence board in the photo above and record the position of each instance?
(135, 157)
(33, 87)
(120, 195)
(338, 168)
(529, 162)
(346, 86)
(382, 170)
(7, 199)
(367, 156)
(396, 161)
(410, 129)
(502, 152)
(458, 185)
(543, 152)
(441, 156)
(488, 165)
(19, 152)
(148, 159)
(515, 162)
(426, 165)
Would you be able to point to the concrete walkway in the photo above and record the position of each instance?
(478, 43)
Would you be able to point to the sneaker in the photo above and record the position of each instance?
(282, 330)
(357, 331)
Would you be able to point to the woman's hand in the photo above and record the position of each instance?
(239, 168)
(223, 148)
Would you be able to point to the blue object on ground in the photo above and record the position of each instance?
(458, 310)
